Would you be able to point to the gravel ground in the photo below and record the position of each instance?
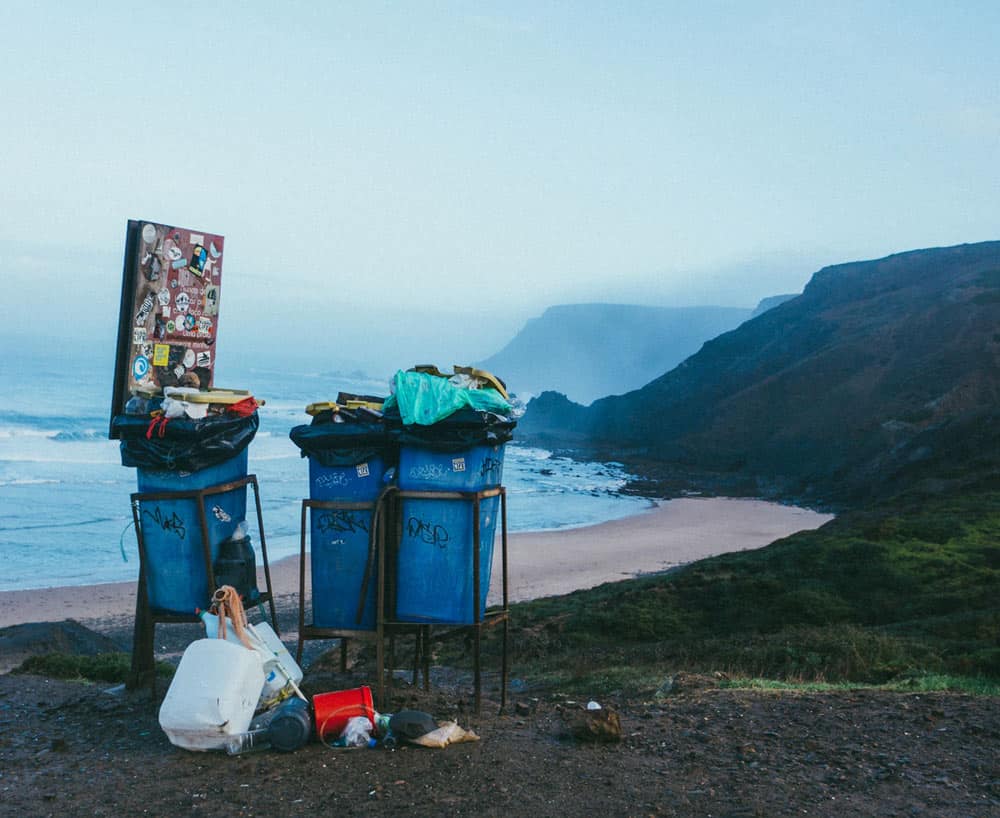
(68, 748)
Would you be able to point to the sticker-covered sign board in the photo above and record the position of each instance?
(169, 315)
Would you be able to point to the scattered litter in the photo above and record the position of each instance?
(448, 733)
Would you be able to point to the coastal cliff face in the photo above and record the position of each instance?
(586, 351)
(881, 375)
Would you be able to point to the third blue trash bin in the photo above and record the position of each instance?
(434, 576)
(347, 464)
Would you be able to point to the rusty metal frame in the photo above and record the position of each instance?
(310, 631)
(489, 618)
(143, 668)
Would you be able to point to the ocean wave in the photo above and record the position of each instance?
(76, 435)
(49, 525)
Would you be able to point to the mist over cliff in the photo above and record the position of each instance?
(881, 375)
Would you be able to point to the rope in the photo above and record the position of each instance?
(121, 540)
(380, 510)
(226, 602)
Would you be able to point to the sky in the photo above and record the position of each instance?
(423, 177)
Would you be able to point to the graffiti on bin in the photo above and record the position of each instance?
(341, 522)
(428, 533)
(428, 471)
(491, 469)
(332, 479)
(173, 523)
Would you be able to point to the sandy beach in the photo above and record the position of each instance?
(540, 564)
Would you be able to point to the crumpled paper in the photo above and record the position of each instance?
(447, 733)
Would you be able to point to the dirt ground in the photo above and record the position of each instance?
(68, 749)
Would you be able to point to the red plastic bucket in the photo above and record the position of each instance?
(333, 710)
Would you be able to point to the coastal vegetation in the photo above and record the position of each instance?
(902, 594)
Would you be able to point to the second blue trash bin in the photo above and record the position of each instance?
(347, 464)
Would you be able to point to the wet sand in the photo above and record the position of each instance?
(540, 564)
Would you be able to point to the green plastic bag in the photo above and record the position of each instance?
(425, 399)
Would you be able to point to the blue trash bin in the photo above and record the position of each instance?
(185, 454)
(434, 578)
(176, 579)
(347, 464)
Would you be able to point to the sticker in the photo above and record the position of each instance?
(171, 326)
(189, 358)
(160, 331)
(163, 296)
(173, 284)
(458, 464)
(174, 252)
(147, 350)
(165, 312)
(139, 335)
(161, 354)
(198, 258)
(196, 238)
(363, 470)
(182, 302)
(211, 297)
(215, 251)
(205, 326)
(189, 322)
(148, 233)
(144, 309)
(179, 264)
(220, 514)
(179, 371)
(204, 358)
(140, 366)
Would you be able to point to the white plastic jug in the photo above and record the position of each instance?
(279, 665)
(213, 694)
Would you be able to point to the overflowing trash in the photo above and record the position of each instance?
(238, 689)
(186, 430)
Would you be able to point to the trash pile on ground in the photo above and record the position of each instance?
(237, 690)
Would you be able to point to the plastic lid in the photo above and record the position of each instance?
(290, 728)
(412, 723)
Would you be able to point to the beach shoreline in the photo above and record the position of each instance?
(540, 564)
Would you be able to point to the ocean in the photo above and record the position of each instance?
(64, 495)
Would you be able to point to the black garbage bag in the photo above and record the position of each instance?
(458, 432)
(342, 444)
(182, 444)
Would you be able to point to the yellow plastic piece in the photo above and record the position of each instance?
(322, 406)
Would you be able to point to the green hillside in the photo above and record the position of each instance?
(884, 595)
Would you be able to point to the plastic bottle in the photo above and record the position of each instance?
(357, 733)
(248, 742)
(136, 405)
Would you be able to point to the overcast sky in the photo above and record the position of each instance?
(422, 157)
